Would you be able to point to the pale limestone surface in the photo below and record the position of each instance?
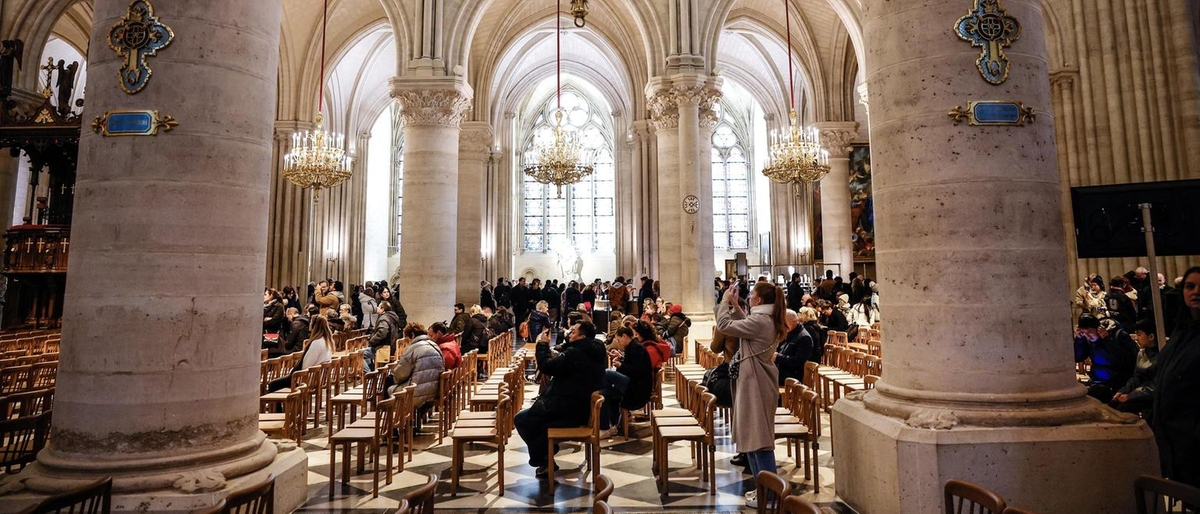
(474, 142)
(432, 110)
(158, 375)
(835, 197)
(971, 256)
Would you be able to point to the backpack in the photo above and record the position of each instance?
(450, 355)
(524, 331)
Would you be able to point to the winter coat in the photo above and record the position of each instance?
(636, 365)
(458, 323)
(420, 364)
(297, 334)
(387, 331)
(618, 296)
(316, 354)
(501, 322)
(676, 327)
(537, 321)
(795, 350)
(860, 316)
(398, 308)
(273, 317)
(756, 389)
(575, 373)
(795, 293)
(1113, 358)
(327, 302)
(724, 345)
(573, 298)
(837, 321)
(551, 297)
(1121, 308)
(451, 351)
(370, 310)
(647, 291)
(487, 299)
(1176, 421)
(474, 336)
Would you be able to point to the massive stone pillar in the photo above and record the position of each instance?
(665, 120)
(433, 110)
(684, 117)
(158, 379)
(474, 146)
(978, 379)
(836, 232)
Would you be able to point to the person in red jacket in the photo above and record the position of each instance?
(451, 353)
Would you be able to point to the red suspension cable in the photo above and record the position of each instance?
(324, 25)
(557, 52)
(791, 81)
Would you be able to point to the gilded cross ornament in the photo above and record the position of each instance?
(137, 36)
(990, 28)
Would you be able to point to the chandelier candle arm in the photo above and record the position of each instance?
(795, 151)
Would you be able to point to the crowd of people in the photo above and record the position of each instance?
(1133, 369)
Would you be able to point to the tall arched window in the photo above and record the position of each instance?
(398, 173)
(731, 188)
(585, 216)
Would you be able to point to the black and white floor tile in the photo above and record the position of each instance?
(626, 462)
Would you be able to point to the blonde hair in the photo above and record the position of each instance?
(475, 309)
(542, 306)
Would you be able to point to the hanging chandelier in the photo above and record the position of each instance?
(580, 11)
(796, 153)
(558, 160)
(318, 158)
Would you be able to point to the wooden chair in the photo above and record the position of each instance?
(588, 434)
(1164, 494)
(403, 507)
(29, 403)
(369, 439)
(1014, 510)
(869, 382)
(603, 488)
(967, 498)
(290, 423)
(421, 500)
(255, 499)
(700, 434)
(798, 505)
(772, 490)
(23, 438)
(601, 508)
(479, 432)
(94, 498)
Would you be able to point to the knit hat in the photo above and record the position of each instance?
(1088, 321)
(675, 309)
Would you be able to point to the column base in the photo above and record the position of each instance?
(289, 465)
(884, 465)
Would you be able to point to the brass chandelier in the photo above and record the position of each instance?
(318, 158)
(558, 160)
(796, 153)
(580, 11)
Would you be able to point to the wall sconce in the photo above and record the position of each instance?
(580, 11)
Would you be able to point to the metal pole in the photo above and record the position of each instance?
(1155, 294)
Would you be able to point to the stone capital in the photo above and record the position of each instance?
(836, 137)
(664, 109)
(475, 139)
(432, 102)
(862, 95)
(1064, 77)
(285, 128)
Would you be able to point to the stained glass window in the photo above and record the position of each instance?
(398, 172)
(731, 189)
(585, 215)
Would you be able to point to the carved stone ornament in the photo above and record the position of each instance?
(691, 204)
(475, 141)
(932, 419)
(664, 110)
(708, 108)
(443, 107)
(207, 480)
(856, 396)
(137, 36)
(14, 484)
(837, 141)
(285, 445)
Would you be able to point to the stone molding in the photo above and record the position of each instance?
(1064, 78)
(836, 137)
(475, 139)
(664, 110)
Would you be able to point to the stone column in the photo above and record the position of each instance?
(977, 383)
(473, 146)
(665, 121)
(158, 380)
(433, 110)
(836, 232)
(691, 184)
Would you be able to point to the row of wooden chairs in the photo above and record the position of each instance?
(373, 433)
(775, 496)
(691, 422)
(499, 354)
(1152, 495)
(27, 403)
(21, 439)
(798, 422)
(28, 377)
(492, 426)
(32, 345)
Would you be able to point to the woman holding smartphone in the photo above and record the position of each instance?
(753, 372)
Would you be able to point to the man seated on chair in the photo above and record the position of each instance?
(1112, 352)
(576, 372)
(629, 383)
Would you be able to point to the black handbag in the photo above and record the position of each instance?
(718, 383)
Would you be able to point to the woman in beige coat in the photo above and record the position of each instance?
(755, 386)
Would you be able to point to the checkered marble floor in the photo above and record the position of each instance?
(626, 462)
